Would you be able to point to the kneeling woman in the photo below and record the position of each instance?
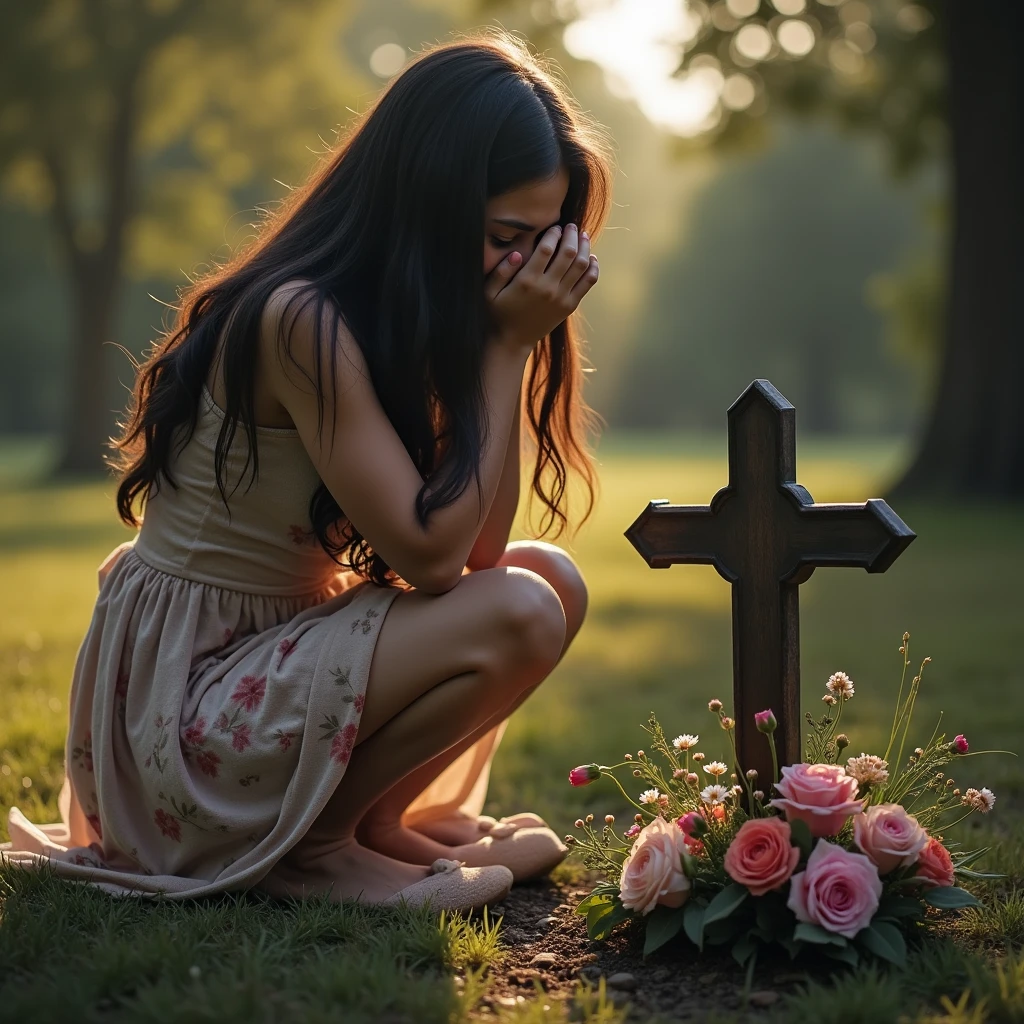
(296, 675)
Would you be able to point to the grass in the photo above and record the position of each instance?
(653, 641)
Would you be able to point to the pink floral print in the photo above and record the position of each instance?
(286, 646)
(343, 739)
(250, 691)
(167, 824)
(83, 754)
(95, 825)
(284, 739)
(208, 762)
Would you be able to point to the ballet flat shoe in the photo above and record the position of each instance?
(485, 824)
(527, 852)
(453, 886)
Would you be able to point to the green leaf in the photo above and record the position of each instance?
(603, 917)
(743, 949)
(663, 924)
(719, 932)
(801, 836)
(725, 903)
(693, 923)
(895, 907)
(846, 954)
(885, 941)
(949, 897)
(976, 875)
(593, 900)
(773, 917)
(806, 932)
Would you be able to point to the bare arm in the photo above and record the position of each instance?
(493, 537)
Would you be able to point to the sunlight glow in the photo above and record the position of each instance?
(639, 44)
(796, 37)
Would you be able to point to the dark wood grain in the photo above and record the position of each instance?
(765, 534)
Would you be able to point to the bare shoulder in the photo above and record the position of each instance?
(288, 340)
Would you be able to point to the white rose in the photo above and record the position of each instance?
(653, 871)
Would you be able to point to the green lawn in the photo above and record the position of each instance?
(653, 641)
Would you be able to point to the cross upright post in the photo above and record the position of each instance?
(765, 534)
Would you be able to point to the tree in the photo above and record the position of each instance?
(135, 123)
(932, 78)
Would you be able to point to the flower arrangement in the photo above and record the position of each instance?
(843, 854)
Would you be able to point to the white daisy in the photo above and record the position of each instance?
(714, 795)
(716, 768)
(649, 796)
(685, 741)
(979, 799)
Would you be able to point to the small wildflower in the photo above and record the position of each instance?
(842, 741)
(737, 791)
(698, 757)
(979, 799)
(584, 775)
(829, 700)
(609, 819)
(752, 774)
(685, 741)
(840, 685)
(765, 721)
(715, 705)
(578, 823)
(714, 795)
(727, 723)
(868, 769)
(956, 792)
(758, 794)
(570, 840)
(641, 755)
(693, 778)
(918, 752)
(679, 773)
(638, 817)
(632, 832)
(960, 744)
(649, 796)
(949, 782)
(715, 768)
(662, 800)
(627, 757)
(589, 818)
(637, 773)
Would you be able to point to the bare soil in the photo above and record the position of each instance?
(546, 945)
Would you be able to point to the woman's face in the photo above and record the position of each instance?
(515, 221)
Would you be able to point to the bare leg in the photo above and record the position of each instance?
(496, 634)
(381, 828)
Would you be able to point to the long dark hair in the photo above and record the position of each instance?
(388, 232)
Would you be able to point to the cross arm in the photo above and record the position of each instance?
(869, 535)
(666, 534)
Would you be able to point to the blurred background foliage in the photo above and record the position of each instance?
(753, 233)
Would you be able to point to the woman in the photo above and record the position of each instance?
(244, 712)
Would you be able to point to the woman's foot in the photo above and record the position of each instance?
(344, 869)
(527, 852)
(457, 829)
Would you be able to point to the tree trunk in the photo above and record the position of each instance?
(973, 444)
(95, 281)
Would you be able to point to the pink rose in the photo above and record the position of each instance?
(934, 864)
(822, 795)
(761, 855)
(653, 872)
(838, 890)
(889, 836)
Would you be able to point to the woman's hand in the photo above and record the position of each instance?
(529, 302)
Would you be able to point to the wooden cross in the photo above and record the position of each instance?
(766, 535)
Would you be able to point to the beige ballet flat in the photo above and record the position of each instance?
(451, 886)
(526, 852)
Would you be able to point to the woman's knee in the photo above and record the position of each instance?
(561, 572)
(529, 620)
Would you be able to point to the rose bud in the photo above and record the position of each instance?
(584, 775)
(765, 721)
(692, 824)
(960, 744)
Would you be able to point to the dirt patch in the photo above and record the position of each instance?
(546, 943)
